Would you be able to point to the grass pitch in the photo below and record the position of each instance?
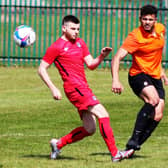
(29, 118)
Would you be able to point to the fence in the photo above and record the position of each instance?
(103, 23)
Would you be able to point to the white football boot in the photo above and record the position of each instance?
(123, 155)
(54, 150)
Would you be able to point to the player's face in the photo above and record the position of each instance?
(148, 22)
(71, 30)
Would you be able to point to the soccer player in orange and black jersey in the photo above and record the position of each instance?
(145, 44)
(69, 53)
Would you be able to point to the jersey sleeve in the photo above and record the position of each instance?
(50, 55)
(130, 44)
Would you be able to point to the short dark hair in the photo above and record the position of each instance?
(70, 18)
(148, 10)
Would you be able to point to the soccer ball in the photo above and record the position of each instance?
(24, 36)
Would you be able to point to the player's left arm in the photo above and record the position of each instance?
(163, 74)
(164, 77)
(92, 63)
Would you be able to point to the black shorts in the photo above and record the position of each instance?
(138, 82)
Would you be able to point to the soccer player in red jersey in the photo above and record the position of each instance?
(145, 44)
(69, 53)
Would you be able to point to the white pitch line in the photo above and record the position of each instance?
(24, 135)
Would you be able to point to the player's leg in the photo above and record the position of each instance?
(104, 125)
(158, 113)
(81, 99)
(88, 128)
(153, 122)
(107, 133)
(89, 122)
(143, 87)
(151, 99)
(159, 110)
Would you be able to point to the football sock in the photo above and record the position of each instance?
(107, 134)
(140, 125)
(74, 136)
(152, 124)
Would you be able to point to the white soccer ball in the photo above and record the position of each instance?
(24, 36)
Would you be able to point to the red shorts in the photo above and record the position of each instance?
(82, 98)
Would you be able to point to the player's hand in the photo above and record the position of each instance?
(105, 51)
(166, 81)
(56, 94)
(117, 87)
(164, 77)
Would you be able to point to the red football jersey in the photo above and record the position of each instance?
(69, 59)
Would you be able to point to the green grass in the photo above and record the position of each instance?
(29, 118)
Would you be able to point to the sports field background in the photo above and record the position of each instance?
(103, 23)
(29, 118)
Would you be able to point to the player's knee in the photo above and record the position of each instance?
(91, 130)
(158, 117)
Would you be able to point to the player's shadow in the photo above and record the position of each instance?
(48, 157)
(135, 156)
(95, 154)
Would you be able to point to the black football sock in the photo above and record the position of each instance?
(152, 124)
(140, 125)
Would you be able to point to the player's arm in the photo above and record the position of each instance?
(92, 63)
(164, 77)
(115, 63)
(42, 71)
